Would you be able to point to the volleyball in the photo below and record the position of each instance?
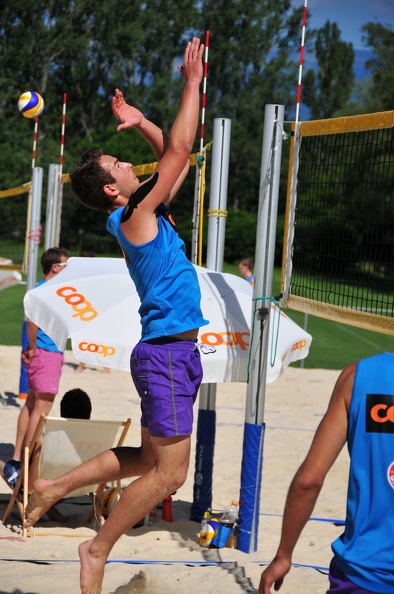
(108, 501)
(208, 532)
(30, 104)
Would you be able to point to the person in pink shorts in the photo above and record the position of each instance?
(44, 364)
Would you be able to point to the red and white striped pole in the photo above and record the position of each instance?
(32, 241)
(301, 62)
(62, 133)
(33, 164)
(58, 204)
(204, 91)
(201, 176)
(34, 151)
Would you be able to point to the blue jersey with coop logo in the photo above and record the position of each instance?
(166, 281)
(365, 551)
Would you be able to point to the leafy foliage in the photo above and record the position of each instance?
(381, 39)
(87, 49)
(327, 90)
(240, 235)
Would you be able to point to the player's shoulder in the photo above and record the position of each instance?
(344, 385)
(350, 370)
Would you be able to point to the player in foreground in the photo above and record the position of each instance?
(165, 364)
(360, 413)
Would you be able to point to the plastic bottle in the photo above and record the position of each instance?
(232, 539)
(224, 537)
(166, 511)
(229, 519)
(230, 513)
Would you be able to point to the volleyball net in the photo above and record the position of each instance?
(338, 254)
(79, 233)
(14, 225)
(89, 236)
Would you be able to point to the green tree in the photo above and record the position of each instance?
(249, 67)
(86, 49)
(380, 38)
(326, 91)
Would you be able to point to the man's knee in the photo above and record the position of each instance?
(44, 402)
(178, 482)
(175, 478)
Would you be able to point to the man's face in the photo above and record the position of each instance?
(243, 269)
(126, 181)
(59, 266)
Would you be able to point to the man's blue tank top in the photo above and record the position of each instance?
(166, 281)
(43, 341)
(365, 551)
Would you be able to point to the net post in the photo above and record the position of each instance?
(33, 241)
(252, 455)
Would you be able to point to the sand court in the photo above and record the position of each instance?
(164, 557)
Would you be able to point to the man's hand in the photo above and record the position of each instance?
(125, 113)
(192, 68)
(274, 575)
(28, 354)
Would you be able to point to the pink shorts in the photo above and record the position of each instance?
(44, 370)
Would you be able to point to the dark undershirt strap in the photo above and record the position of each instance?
(138, 196)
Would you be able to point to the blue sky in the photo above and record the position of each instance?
(350, 15)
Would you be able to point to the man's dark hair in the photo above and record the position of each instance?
(51, 257)
(88, 179)
(246, 262)
(75, 404)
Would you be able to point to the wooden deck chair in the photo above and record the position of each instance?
(67, 443)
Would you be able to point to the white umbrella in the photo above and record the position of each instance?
(94, 302)
(8, 277)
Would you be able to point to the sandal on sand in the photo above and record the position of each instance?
(12, 470)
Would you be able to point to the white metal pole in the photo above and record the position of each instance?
(264, 256)
(35, 228)
(253, 444)
(206, 421)
(33, 241)
(54, 202)
(217, 211)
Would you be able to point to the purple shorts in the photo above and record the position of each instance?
(44, 370)
(340, 584)
(167, 375)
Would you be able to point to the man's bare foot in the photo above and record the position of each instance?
(92, 570)
(45, 494)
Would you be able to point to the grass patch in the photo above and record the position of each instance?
(334, 345)
(12, 314)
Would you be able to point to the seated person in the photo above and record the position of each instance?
(75, 404)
